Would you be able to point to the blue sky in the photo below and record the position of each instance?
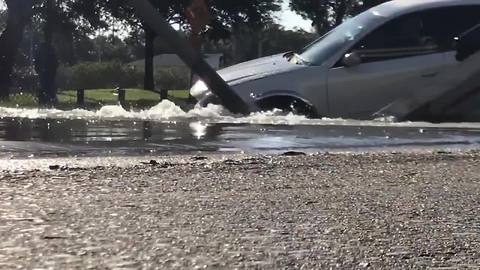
(291, 20)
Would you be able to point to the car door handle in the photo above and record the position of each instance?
(430, 74)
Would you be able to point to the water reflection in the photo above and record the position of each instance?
(30, 130)
(24, 137)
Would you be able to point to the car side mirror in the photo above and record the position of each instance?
(351, 59)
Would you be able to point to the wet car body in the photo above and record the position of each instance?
(397, 55)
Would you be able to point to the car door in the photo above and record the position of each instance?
(461, 94)
(399, 58)
(461, 19)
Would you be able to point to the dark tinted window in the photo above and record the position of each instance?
(419, 33)
(447, 23)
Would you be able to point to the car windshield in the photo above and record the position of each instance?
(319, 51)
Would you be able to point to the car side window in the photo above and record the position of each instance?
(420, 33)
(445, 24)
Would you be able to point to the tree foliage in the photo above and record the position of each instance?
(3, 19)
(75, 25)
(112, 74)
(276, 39)
(326, 14)
(19, 13)
(224, 14)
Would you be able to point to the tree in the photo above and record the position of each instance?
(242, 20)
(371, 3)
(276, 39)
(70, 18)
(73, 22)
(326, 14)
(121, 10)
(19, 14)
(3, 18)
(224, 15)
(271, 39)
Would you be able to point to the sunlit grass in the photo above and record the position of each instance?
(108, 96)
(179, 94)
(20, 100)
(97, 98)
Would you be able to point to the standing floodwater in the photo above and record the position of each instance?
(166, 129)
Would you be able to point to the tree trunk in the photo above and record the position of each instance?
(46, 59)
(371, 3)
(149, 83)
(261, 41)
(19, 14)
(321, 25)
(235, 43)
(340, 12)
(321, 20)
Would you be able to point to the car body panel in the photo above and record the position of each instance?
(363, 90)
(257, 69)
(460, 79)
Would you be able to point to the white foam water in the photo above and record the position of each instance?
(167, 111)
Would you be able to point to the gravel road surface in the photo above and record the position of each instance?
(328, 211)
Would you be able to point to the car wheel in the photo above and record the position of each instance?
(288, 105)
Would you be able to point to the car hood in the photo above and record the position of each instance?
(257, 69)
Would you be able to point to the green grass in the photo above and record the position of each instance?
(99, 97)
(21, 100)
(108, 96)
(179, 94)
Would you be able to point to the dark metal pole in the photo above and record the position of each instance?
(122, 97)
(192, 59)
(81, 98)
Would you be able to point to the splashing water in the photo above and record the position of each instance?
(164, 111)
(167, 111)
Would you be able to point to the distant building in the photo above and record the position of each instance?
(215, 60)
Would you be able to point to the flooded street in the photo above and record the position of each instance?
(166, 129)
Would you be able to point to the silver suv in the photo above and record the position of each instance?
(393, 58)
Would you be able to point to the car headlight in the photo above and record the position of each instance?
(199, 89)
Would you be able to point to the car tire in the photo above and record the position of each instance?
(288, 105)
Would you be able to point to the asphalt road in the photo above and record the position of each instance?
(364, 211)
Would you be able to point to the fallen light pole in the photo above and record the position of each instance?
(191, 57)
